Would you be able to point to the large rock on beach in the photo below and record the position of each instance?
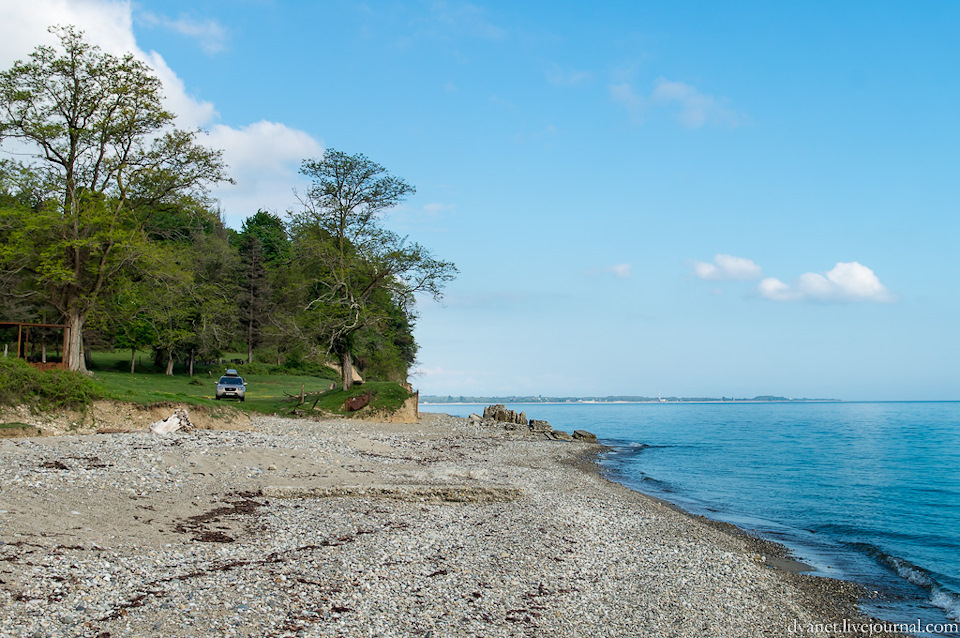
(583, 435)
(499, 412)
(539, 426)
(179, 420)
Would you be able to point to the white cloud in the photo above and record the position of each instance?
(209, 33)
(847, 281)
(23, 25)
(263, 157)
(621, 271)
(726, 268)
(694, 109)
(264, 160)
(191, 113)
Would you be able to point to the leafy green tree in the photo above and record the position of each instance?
(212, 300)
(272, 233)
(123, 318)
(105, 156)
(386, 349)
(350, 256)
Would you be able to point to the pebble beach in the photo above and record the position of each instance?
(443, 527)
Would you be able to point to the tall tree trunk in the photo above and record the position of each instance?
(191, 363)
(133, 359)
(250, 327)
(74, 352)
(346, 364)
(169, 363)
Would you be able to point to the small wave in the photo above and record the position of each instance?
(939, 596)
(947, 601)
(648, 481)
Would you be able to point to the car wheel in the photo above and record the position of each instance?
(243, 398)
(217, 398)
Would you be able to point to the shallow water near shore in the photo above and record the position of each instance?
(868, 492)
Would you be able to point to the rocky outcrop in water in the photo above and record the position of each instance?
(499, 416)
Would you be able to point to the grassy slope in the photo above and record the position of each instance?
(266, 393)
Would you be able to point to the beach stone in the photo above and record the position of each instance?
(537, 425)
(559, 435)
(583, 435)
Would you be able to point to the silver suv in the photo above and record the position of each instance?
(231, 386)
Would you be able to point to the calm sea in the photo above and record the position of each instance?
(868, 492)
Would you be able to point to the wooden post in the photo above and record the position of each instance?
(19, 337)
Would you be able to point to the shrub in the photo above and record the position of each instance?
(21, 384)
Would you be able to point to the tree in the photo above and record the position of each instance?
(262, 244)
(350, 256)
(269, 229)
(106, 154)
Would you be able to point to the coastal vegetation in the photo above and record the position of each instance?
(107, 227)
(271, 389)
(51, 390)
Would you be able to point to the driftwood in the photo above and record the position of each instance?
(176, 421)
(355, 403)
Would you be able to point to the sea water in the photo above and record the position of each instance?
(868, 492)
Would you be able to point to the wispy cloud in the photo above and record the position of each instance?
(727, 268)
(846, 282)
(621, 271)
(430, 216)
(462, 18)
(691, 108)
(435, 208)
(209, 33)
(567, 77)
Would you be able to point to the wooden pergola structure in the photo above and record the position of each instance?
(23, 339)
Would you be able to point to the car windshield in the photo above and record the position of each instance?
(231, 381)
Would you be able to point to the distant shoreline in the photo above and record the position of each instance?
(493, 400)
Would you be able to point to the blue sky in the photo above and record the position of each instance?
(688, 198)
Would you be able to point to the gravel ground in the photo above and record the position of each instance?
(441, 528)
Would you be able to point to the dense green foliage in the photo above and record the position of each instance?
(109, 229)
(105, 156)
(22, 384)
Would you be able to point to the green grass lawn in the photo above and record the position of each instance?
(266, 393)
